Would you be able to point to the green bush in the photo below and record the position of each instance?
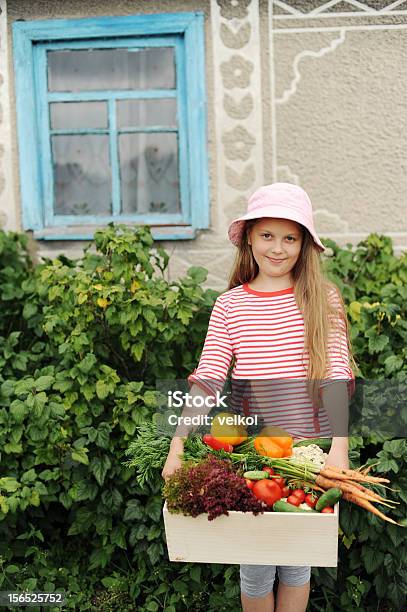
(82, 343)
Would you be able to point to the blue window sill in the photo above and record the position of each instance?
(175, 232)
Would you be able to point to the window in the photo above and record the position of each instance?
(111, 122)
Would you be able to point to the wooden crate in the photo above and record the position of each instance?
(272, 538)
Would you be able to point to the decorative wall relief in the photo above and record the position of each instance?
(235, 40)
(238, 143)
(304, 54)
(236, 72)
(240, 181)
(239, 139)
(230, 9)
(238, 109)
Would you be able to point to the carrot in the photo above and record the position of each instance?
(328, 483)
(373, 494)
(352, 474)
(363, 503)
(327, 472)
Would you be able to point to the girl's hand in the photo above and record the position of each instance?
(338, 457)
(174, 460)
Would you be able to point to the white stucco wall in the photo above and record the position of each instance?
(304, 91)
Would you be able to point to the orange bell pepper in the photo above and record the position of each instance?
(267, 447)
(274, 442)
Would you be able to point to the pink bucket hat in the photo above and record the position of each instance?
(280, 200)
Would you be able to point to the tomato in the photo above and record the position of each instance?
(300, 494)
(267, 491)
(250, 483)
(280, 481)
(327, 510)
(269, 470)
(311, 500)
(285, 491)
(292, 499)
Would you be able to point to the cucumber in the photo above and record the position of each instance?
(329, 498)
(282, 506)
(324, 443)
(256, 475)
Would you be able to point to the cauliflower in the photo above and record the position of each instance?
(311, 453)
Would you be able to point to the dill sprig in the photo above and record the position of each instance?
(148, 453)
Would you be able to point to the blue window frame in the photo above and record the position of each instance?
(41, 138)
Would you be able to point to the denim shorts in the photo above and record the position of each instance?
(258, 580)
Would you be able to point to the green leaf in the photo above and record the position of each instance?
(4, 506)
(397, 535)
(7, 388)
(154, 507)
(397, 448)
(184, 315)
(99, 467)
(128, 425)
(134, 511)
(377, 343)
(29, 310)
(23, 387)
(393, 364)
(43, 383)
(372, 558)
(102, 389)
(65, 500)
(180, 587)
(80, 455)
(18, 410)
(29, 476)
(12, 569)
(111, 582)
(118, 537)
(103, 435)
(380, 584)
(154, 552)
(198, 273)
(153, 532)
(83, 490)
(13, 447)
(195, 573)
(87, 363)
(34, 498)
(354, 310)
(150, 318)
(137, 350)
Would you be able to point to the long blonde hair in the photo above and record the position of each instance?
(311, 291)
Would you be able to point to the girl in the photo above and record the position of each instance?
(285, 326)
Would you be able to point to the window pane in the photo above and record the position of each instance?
(149, 173)
(80, 70)
(78, 115)
(132, 113)
(82, 178)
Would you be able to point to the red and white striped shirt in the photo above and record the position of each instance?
(264, 332)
